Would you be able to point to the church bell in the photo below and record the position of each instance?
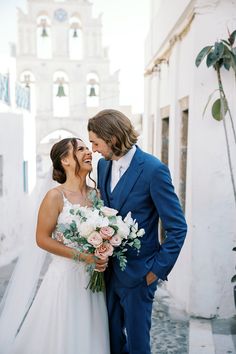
(92, 92)
(75, 34)
(44, 33)
(60, 92)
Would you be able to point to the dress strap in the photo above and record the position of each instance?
(62, 193)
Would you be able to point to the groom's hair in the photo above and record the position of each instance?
(115, 129)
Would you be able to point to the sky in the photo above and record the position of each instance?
(125, 26)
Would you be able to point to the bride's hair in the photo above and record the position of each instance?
(60, 150)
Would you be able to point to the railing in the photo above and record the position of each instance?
(22, 97)
(4, 88)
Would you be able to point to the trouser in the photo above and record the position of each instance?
(130, 311)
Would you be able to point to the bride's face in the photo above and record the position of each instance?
(83, 155)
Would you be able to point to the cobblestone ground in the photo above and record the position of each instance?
(170, 326)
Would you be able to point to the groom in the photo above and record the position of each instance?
(132, 180)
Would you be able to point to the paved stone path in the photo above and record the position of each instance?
(173, 332)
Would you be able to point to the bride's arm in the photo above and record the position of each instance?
(49, 210)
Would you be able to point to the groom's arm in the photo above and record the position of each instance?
(173, 221)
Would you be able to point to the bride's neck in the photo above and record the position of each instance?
(75, 184)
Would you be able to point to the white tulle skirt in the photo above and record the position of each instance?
(65, 317)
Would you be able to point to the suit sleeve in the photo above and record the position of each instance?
(173, 221)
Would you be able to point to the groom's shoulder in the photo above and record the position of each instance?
(150, 160)
(102, 163)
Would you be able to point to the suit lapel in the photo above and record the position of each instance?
(129, 179)
(104, 181)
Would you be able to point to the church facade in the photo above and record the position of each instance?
(61, 58)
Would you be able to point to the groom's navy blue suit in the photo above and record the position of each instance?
(146, 190)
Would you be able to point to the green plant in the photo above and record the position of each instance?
(222, 55)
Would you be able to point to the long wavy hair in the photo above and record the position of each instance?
(58, 152)
(109, 124)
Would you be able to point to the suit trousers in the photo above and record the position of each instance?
(129, 311)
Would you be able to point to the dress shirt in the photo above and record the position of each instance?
(120, 166)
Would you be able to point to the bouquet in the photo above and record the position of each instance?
(103, 233)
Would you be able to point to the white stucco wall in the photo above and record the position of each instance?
(200, 281)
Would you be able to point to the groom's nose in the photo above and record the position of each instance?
(94, 148)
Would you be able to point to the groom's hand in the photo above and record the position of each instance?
(150, 278)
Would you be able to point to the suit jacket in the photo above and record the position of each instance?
(146, 190)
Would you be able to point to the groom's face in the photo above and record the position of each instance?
(99, 145)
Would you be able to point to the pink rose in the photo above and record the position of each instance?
(95, 239)
(106, 232)
(115, 241)
(104, 251)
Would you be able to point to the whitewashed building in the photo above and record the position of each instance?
(176, 92)
(60, 56)
(17, 160)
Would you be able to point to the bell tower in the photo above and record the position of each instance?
(61, 58)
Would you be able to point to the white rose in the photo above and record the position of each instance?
(85, 229)
(141, 232)
(123, 229)
(109, 211)
(128, 219)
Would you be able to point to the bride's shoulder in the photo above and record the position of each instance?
(54, 195)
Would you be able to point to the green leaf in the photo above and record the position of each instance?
(211, 59)
(227, 63)
(225, 42)
(233, 279)
(215, 56)
(233, 61)
(202, 55)
(232, 37)
(216, 109)
(219, 49)
(208, 101)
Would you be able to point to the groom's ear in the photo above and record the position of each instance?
(113, 140)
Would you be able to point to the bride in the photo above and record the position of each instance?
(65, 317)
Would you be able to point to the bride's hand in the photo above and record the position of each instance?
(100, 264)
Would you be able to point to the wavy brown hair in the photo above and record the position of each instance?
(110, 123)
(58, 152)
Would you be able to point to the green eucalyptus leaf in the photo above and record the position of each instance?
(202, 55)
(216, 109)
(233, 279)
(232, 37)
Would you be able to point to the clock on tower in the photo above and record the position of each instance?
(60, 15)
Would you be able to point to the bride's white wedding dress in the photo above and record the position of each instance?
(65, 317)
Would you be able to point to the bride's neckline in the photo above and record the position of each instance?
(84, 200)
